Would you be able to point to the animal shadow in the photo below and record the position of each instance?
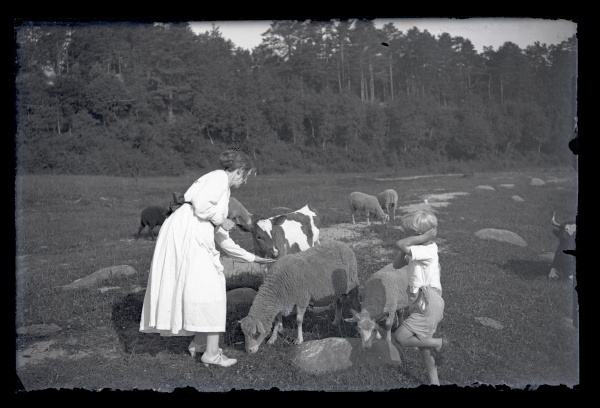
(527, 270)
(125, 317)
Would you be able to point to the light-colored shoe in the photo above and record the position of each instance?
(194, 348)
(220, 360)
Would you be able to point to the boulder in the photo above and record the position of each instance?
(501, 236)
(240, 296)
(234, 267)
(101, 276)
(336, 353)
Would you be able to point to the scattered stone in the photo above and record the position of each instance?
(107, 288)
(517, 198)
(501, 236)
(39, 330)
(101, 275)
(486, 321)
(336, 353)
(240, 296)
(485, 188)
(507, 185)
(537, 182)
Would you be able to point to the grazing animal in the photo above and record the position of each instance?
(367, 204)
(238, 213)
(151, 217)
(388, 200)
(284, 234)
(384, 298)
(563, 263)
(321, 275)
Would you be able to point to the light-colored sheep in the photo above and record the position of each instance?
(384, 296)
(368, 204)
(388, 200)
(320, 275)
(152, 217)
(238, 213)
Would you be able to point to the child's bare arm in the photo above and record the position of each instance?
(407, 242)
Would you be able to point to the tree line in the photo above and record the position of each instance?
(142, 99)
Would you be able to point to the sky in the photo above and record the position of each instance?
(483, 32)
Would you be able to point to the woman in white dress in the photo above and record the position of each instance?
(186, 295)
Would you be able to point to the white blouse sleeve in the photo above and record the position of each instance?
(205, 194)
(230, 247)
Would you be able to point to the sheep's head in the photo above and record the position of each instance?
(254, 333)
(368, 327)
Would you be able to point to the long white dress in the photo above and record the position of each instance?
(186, 286)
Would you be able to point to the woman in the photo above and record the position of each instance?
(186, 294)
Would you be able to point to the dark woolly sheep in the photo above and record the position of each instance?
(152, 217)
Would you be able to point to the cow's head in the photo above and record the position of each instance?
(266, 241)
(367, 326)
(565, 229)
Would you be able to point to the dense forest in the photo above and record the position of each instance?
(143, 99)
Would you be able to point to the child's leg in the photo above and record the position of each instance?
(406, 338)
(430, 366)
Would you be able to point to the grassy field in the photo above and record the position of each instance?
(70, 226)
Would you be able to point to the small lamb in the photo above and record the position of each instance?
(368, 204)
(384, 296)
(238, 213)
(152, 217)
(388, 200)
(321, 274)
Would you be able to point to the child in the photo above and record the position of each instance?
(424, 291)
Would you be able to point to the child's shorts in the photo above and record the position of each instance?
(424, 324)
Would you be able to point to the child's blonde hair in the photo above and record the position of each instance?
(419, 221)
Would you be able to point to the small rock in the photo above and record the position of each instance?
(517, 198)
(39, 330)
(501, 236)
(507, 185)
(486, 321)
(485, 188)
(101, 275)
(537, 182)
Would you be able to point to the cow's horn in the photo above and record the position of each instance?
(554, 220)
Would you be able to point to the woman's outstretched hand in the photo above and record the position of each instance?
(227, 224)
(262, 260)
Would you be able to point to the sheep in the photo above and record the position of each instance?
(368, 204)
(151, 217)
(384, 296)
(321, 274)
(388, 199)
(238, 213)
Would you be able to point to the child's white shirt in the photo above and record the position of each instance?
(423, 267)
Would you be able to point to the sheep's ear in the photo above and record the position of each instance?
(261, 328)
(381, 316)
(353, 312)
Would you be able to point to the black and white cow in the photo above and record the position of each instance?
(283, 234)
(564, 257)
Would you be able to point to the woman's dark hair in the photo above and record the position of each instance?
(233, 159)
